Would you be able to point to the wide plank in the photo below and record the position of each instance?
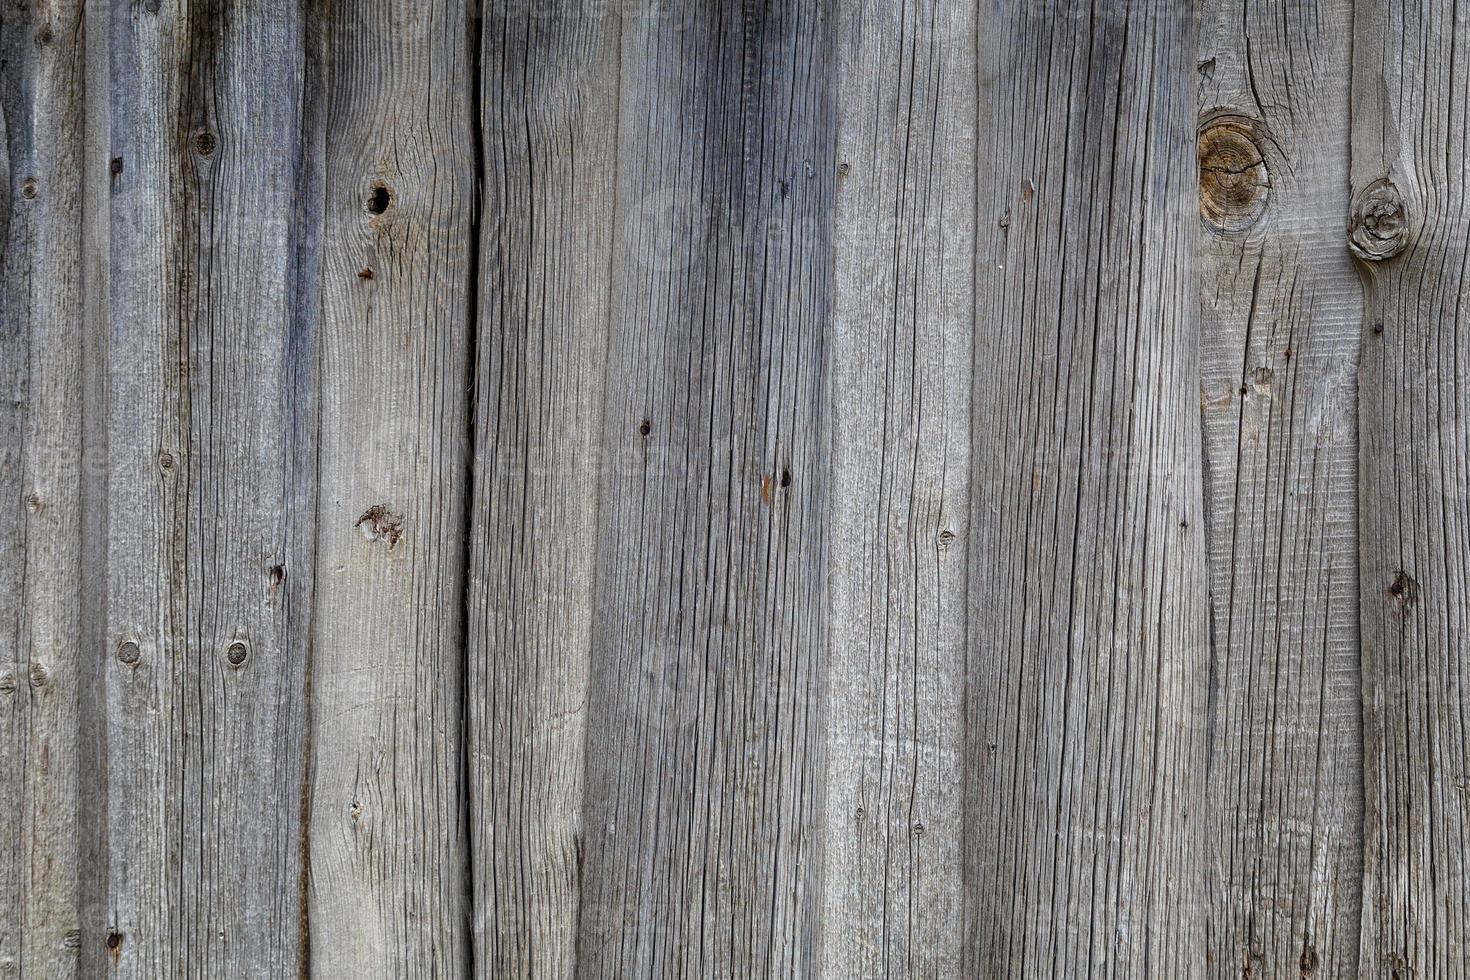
(903, 254)
(208, 558)
(703, 735)
(549, 125)
(1281, 311)
(392, 147)
(1088, 660)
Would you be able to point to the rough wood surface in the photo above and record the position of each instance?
(43, 664)
(392, 133)
(1088, 661)
(703, 741)
(736, 488)
(1281, 315)
(1409, 140)
(899, 401)
(549, 125)
(208, 560)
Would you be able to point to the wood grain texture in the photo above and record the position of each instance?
(1088, 663)
(903, 311)
(549, 123)
(1280, 334)
(703, 742)
(1411, 79)
(208, 558)
(393, 131)
(43, 665)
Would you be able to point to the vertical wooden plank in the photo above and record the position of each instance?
(43, 664)
(1088, 669)
(397, 183)
(901, 356)
(1411, 80)
(703, 738)
(207, 563)
(1281, 312)
(549, 122)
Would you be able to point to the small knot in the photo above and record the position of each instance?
(1404, 589)
(1379, 228)
(1234, 181)
(129, 653)
(379, 199)
(236, 653)
(204, 143)
(28, 189)
(38, 674)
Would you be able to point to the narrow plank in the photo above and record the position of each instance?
(43, 670)
(1411, 80)
(1281, 312)
(550, 87)
(394, 169)
(903, 255)
(1088, 659)
(703, 737)
(207, 561)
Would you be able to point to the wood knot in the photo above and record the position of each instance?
(1404, 589)
(129, 653)
(379, 199)
(204, 143)
(381, 524)
(1234, 181)
(236, 653)
(1379, 227)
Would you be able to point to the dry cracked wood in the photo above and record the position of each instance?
(208, 564)
(1281, 314)
(46, 679)
(1409, 181)
(1088, 661)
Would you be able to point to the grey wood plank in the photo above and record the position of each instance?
(703, 736)
(903, 312)
(1281, 321)
(393, 141)
(1087, 675)
(207, 560)
(44, 669)
(1407, 225)
(549, 122)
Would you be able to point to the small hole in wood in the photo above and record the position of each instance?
(378, 201)
(785, 478)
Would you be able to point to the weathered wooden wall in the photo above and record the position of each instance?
(778, 488)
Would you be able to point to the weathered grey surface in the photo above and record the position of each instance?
(43, 667)
(208, 555)
(392, 131)
(549, 120)
(1410, 79)
(900, 358)
(703, 741)
(1088, 661)
(771, 428)
(1281, 324)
